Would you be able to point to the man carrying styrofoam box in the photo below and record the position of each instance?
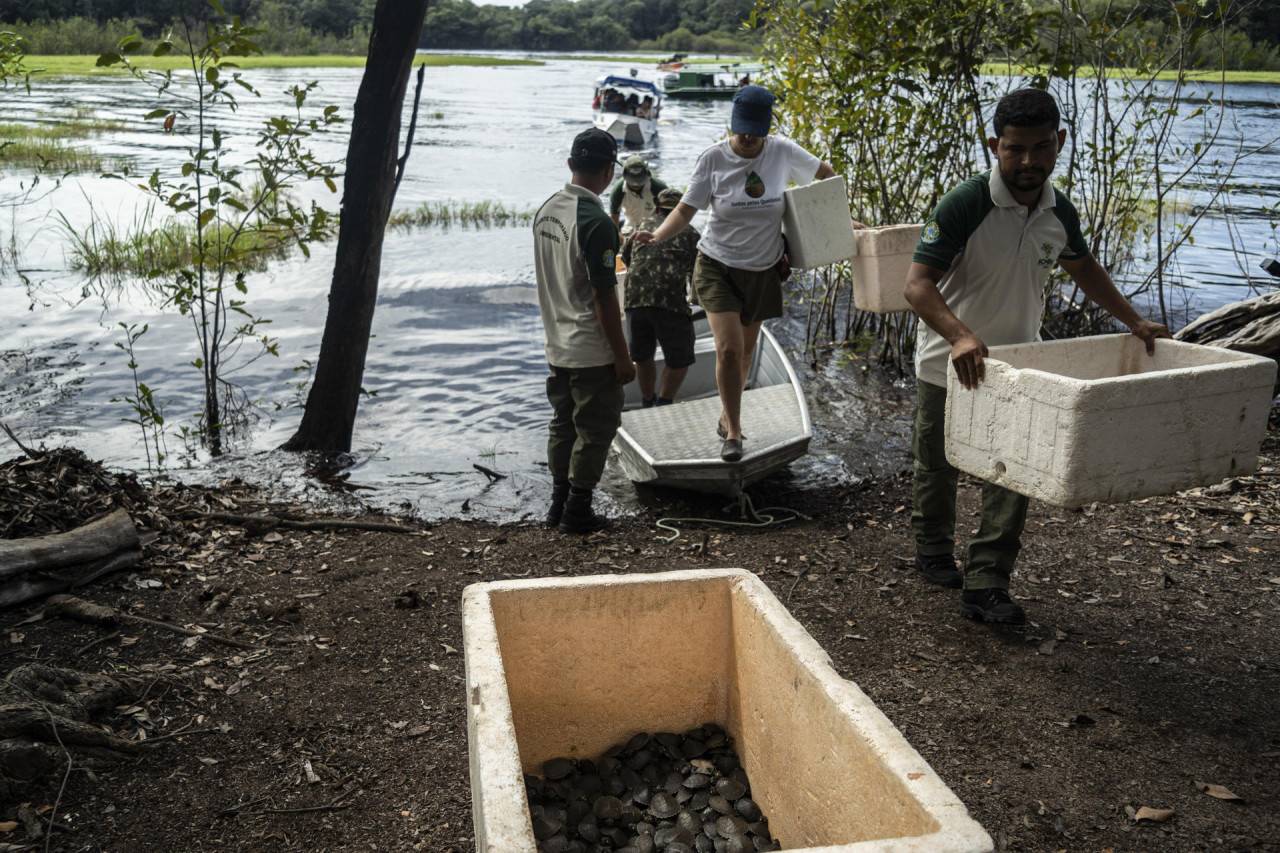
(977, 279)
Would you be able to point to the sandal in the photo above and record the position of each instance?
(731, 450)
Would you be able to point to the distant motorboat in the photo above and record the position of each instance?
(705, 81)
(618, 109)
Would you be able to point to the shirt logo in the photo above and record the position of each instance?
(607, 260)
(1048, 259)
(755, 185)
(931, 233)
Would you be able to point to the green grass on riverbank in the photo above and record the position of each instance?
(1209, 76)
(88, 64)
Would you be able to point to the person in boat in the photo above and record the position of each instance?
(574, 258)
(737, 276)
(646, 109)
(635, 194)
(613, 101)
(631, 104)
(657, 304)
(977, 279)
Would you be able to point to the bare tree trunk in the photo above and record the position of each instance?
(367, 191)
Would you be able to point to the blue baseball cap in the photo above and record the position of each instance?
(752, 111)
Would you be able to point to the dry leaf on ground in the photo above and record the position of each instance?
(1154, 815)
(1218, 792)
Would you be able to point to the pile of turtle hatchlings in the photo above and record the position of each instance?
(662, 792)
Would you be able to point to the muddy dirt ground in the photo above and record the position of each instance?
(1150, 672)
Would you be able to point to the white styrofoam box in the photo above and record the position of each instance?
(567, 667)
(880, 270)
(1097, 419)
(817, 224)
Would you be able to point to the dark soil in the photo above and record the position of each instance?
(1151, 669)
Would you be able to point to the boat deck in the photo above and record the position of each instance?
(686, 431)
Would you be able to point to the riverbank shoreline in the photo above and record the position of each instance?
(1151, 668)
(86, 64)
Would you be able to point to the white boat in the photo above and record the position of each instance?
(677, 445)
(611, 115)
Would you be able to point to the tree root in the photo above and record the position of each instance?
(46, 717)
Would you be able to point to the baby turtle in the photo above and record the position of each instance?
(696, 781)
(663, 806)
(557, 768)
(730, 789)
(609, 809)
(748, 809)
(729, 826)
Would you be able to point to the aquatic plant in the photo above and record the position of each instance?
(152, 245)
(468, 214)
(52, 156)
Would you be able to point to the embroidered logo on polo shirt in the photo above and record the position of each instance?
(607, 260)
(1047, 260)
(931, 233)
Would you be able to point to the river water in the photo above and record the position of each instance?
(455, 367)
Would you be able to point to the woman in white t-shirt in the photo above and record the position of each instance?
(736, 276)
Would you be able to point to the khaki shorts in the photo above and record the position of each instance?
(721, 289)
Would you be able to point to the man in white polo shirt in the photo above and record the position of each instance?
(575, 243)
(977, 279)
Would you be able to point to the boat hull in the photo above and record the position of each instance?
(628, 130)
(677, 445)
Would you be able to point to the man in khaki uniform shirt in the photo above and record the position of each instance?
(575, 245)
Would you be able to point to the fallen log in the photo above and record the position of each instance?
(1252, 326)
(85, 545)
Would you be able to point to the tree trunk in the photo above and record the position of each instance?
(367, 191)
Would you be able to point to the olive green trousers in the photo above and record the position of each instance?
(990, 554)
(586, 407)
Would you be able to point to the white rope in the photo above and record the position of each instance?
(761, 518)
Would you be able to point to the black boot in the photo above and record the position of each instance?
(559, 493)
(578, 517)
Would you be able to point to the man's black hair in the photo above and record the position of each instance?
(1026, 108)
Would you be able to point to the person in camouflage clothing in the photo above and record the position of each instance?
(657, 305)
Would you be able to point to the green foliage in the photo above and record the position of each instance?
(75, 35)
(13, 50)
(889, 93)
(148, 412)
(230, 207)
(673, 25)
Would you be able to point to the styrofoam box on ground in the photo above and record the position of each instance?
(567, 667)
(1097, 419)
(880, 270)
(817, 224)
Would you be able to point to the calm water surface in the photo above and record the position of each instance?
(456, 364)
